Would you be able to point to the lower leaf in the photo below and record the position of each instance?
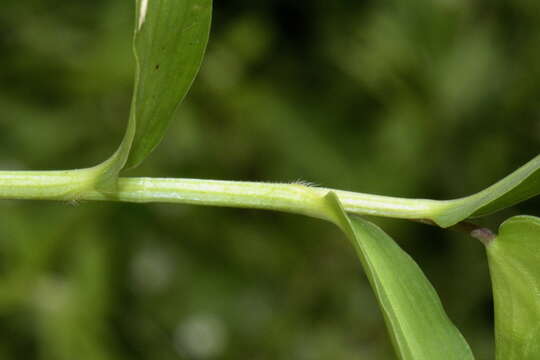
(416, 320)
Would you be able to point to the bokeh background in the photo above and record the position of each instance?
(418, 98)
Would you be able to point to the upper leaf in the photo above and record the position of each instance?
(169, 43)
(514, 263)
(416, 320)
(522, 184)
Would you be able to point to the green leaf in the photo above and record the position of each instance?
(514, 263)
(169, 42)
(417, 322)
(521, 185)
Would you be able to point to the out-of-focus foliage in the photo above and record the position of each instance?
(410, 98)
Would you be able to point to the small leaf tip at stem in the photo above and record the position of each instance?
(485, 235)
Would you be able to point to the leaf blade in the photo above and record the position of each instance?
(514, 263)
(522, 184)
(416, 320)
(169, 44)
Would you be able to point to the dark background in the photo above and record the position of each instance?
(430, 99)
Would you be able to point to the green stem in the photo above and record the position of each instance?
(295, 198)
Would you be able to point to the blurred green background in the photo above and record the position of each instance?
(431, 99)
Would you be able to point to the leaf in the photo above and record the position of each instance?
(416, 320)
(514, 263)
(521, 185)
(169, 42)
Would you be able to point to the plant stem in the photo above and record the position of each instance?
(295, 198)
